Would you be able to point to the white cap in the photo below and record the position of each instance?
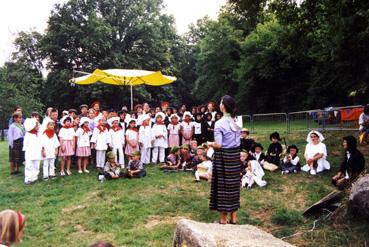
(30, 124)
(160, 114)
(63, 119)
(97, 119)
(84, 120)
(111, 120)
(187, 113)
(173, 115)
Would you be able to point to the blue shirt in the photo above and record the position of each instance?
(225, 135)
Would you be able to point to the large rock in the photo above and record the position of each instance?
(194, 234)
(359, 197)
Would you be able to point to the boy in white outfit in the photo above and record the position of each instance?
(100, 140)
(117, 138)
(144, 139)
(50, 144)
(159, 138)
(33, 151)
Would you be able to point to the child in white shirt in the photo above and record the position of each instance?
(159, 138)
(67, 144)
(32, 146)
(117, 140)
(83, 152)
(100, 140)
(50, 144)
(144, 139)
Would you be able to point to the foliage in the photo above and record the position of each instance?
(19, 86)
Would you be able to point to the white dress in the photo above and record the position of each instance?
(159, 129)
(311, 150)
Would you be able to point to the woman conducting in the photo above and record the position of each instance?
(225, 183)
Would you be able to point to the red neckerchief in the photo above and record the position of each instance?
(33, 132)
(67, 127)
(115, 129)
(86, 129)
(50, 133)
(160, 122)
(187, 121)
(134, 129)
(100, 127)
(97, 113)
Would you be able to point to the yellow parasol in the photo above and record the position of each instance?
(124, 77)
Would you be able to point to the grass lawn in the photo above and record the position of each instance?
(78, 210)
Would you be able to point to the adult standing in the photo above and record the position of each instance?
(225, 183)
(364, 124)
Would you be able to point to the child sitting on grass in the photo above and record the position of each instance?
(272, 159)
(172, 161)
(186, 159)
(254, 174)
(135, 166)
(204, 169)
(112, 168)
(258, 154)
(291, 163)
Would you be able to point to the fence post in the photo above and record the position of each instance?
(252, 123)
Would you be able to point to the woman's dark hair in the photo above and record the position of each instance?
(366, 109)
(229, 104)
(351, 143)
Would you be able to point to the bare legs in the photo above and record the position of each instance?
(223, 218)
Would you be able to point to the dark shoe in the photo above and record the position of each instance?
(28, 183)
(46, 178)
(53, 177)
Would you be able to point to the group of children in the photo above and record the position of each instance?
(254, 161)
(176, 141)
(86, 138)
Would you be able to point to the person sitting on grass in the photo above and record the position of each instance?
(204, 169)
(352, 165)
(254, 174)
(272, 158)
(12, 225)
(291, 163)
(186, 159)
(112, 168)
(196, 159)
(315, 154)
(247, 143)
(173, 160)
(258, 153)
(135, 166)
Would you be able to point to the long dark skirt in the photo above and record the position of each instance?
(225, 181)
(16, 153)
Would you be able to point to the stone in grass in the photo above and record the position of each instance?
(359, 197)
(195, 234)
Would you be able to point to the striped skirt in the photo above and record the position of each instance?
(16, 153)
(225, 181)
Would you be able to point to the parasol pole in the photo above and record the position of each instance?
(131, 97)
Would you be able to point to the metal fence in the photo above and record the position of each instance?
(324, 120)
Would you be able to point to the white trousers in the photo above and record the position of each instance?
(31, 170)
(49, 167)
(155, 152)
(119, 152)
(100, 158)
(145, 155)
